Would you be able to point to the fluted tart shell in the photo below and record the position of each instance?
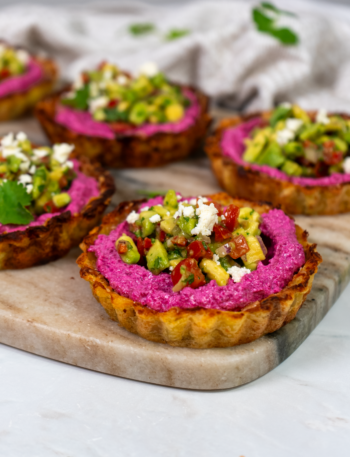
(244, 182)
(17, 104)
(199, 328)
(58, 235)
(132, 151)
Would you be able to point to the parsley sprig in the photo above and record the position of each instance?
(146, 28)
(13, 201)
(265, 17)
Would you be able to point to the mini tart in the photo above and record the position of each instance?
(199, 328)
(16, 104)
(132, 151)
(58, 235)
(244, 182)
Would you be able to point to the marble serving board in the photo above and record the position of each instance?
(50, 311)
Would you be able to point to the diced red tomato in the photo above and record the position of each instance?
(85, 77)
(4, 73)
(330, 155)
(112, 103)
(63, 182)
(101, 65)
(50, 207)
(179, 240)
(321, 169)
(120, 127)
(231, 217)
(122, 247)
(143, 245)
(239, 247)
(309, 144)
(221, 233)
(196, 250)
(187, 273)
(162, 236)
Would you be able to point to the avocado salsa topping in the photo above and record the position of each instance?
(300, 144)
(13, 62)
(33, 181)
(195, 240)
(115, 97)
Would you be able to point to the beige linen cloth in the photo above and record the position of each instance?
(224, 55)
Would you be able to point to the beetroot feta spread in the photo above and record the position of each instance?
(83, 123)
(233, 146)
(23, 82)
(284, 257)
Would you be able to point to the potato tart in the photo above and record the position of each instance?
(172, 283)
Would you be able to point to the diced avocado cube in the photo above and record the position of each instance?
(61, 200)
(157, 258)
(299, 113)
(147, 227)
(13, 163)
(56, 175)
(280, 113)
(256, 146)
(160, 210)
(187, 224)
(170, 201)
(139, 113)
(214, 271)
(132, 255)
(311, 132)
(177, 254)
(340, 144)
(255, 253)
(41, 201)
(168, 225)
(3, 168)
(227, 262)
(272, 156)
(334, 126)
(292, 168)
(39, 181)
(293, 149)
(346, 136)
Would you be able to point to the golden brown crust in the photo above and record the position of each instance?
(15, 105)
(53, 240)
(126, 152)
(244, 182)
(199, 328)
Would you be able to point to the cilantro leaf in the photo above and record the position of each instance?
(266, 24)
(80, 101)
(141, 28)
(174, 34)
(13, 200)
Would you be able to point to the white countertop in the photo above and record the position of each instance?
(301, 408)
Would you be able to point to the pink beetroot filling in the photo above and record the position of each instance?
(83, 123)
(23, 82)
(233, 146)
(82, 189)
(285, 256)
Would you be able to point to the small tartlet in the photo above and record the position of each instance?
(199, 327)
(39, 244)
(245, 182)
(16, 104)
(132, 149)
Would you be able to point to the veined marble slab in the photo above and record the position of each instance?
(51, 312)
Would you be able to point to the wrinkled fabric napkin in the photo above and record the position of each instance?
(224, 54)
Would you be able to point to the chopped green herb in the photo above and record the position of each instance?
(141, 28)
(13, 201)
(189, 280)
(151, 194)
(174, 34)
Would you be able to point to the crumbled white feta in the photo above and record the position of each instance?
(346, 165)
(25, 179)
(23, 56)
(149, 69)
(8, 140)
(293, 124)
(193, 201)
(154, 219)
(187, 211)
(24, 166)
(94, 89)
(216, 259)
(40, 153)
(32, 169)
(29, 188)
(61, 152)
(107, 75)
(132, 217)
(145, 208)
(285, 105)
(70, 164)
(122, 80)
(97, 103)
(168, 213)
(171, 268)
(21, 136)
(179, 197)
(322, 117)
(207, 218)
(284, 136)
(237, 273)
(78, 83)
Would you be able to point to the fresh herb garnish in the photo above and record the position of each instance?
(141, 28)
(80, 100)
(266, 17)
(174, 34)
(13, 201)
(189, 280)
